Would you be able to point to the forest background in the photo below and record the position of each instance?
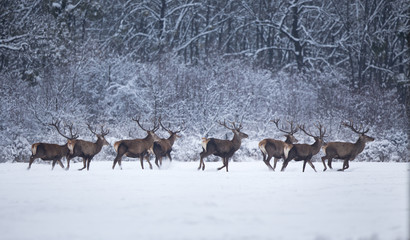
(195, 62)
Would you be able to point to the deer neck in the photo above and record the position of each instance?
(316, 146)
(99, 144)
(288, 140)
(172, 139)
(359, 145)
(236, 140)
(149, 138)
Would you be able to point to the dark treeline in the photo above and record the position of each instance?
(199, 61)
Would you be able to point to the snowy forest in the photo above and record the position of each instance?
(194, 62)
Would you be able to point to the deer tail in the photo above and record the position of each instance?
(262, 145)
(70, 145)
(34, 148)
(286, 149)
(205, 143)
(116, 145)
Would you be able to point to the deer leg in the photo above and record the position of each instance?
(60, 163)
(156, 161)
(347, 165)
(311, 164)
(324, 164)
(304, 165)
(329, 163)
(284, 165)
(142, 161)
(32, 158)
(267, 161)
(53, 164)
(68, 162)
(275, 161)
(88, 163)
(224, 165)
(169, 156)
(147, 157)
(84, 163)
(117, 159)
(203, 155)
(344, 165)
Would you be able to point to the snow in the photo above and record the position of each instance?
(368, 201)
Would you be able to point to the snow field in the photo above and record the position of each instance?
(369, 201)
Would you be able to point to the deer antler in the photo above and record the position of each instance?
(293, 129)
(302, 127)
(56, 125)
(319, 126)
(356, 129)
(94, 131)
(169, 130)
(322, 132)
(155, 128)
(104, 132)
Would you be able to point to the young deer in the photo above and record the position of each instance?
(305, 152)
(276, 148)
(85, 149)
(52, 152)
(163, 147)
(222, 148)
(345, 150)
(136, 147)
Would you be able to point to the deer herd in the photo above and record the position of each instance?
(152, 144)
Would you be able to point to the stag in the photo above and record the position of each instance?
(163, 147)
(276, 148)
(85, 149)
(222, 148)
(345, 150)
(134, 148)
(305, 152)
(52, 152)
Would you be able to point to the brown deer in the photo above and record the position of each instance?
(163, 147)
(52, 152)
(305, 152)
(276, 148)
(135, 148)
(345, 150)
(222, 148)
(85, 149)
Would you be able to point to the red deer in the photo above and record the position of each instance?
(136, 147)
(52, 152)
(222, 148)
(345, 150)
(305, 152)
(276, 148)
(163, 147)
(85, 149)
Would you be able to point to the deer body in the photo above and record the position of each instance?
(53, 152)
(276, 148)
(345, 150)
(305, 152)
(85, 149)
(135, 148)
(222, 148)
(163, 147)
(48, 152)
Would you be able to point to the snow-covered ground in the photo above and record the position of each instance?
(369, 201)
